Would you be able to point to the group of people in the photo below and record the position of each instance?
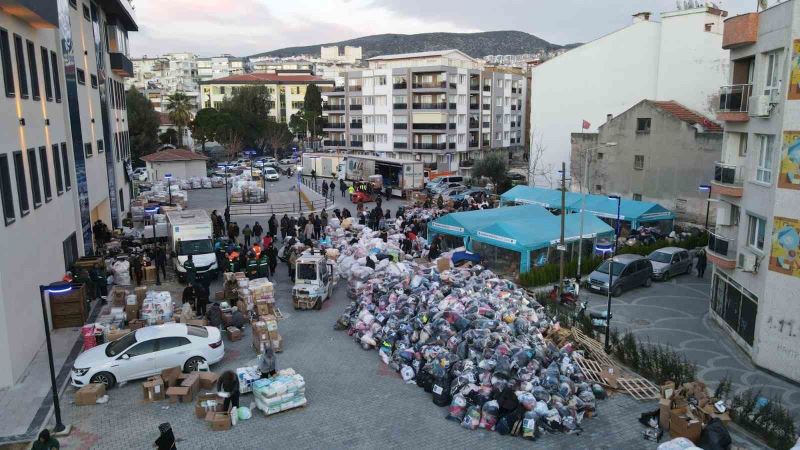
(157, 255)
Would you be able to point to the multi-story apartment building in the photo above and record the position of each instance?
(754, 247)
(286, 90)
(268, 65)
(65, 152)
(158, 78)
(220, 67)
(438, 107)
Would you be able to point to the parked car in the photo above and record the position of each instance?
(517, 178)
(629, 271)
(146, 352)
(448, 193)
(270, 174)
(470, 192)
(670, 261)
(140, 174)
(442, 180)
(441, 187)
(287, 161)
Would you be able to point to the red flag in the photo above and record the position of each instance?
(586, 125)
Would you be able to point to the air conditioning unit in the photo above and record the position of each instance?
(759, 106)
(747, 262)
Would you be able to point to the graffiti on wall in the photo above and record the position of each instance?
(794, 80)
(785, 247)
(789, 176)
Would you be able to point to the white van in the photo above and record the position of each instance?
(444, 180)
(191, 233)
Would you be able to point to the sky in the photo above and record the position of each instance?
(245, 27)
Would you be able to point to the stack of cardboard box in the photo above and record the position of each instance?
(685, 409)
(89, 394)
(265, 332)
(153, 389)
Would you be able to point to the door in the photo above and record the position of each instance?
(645, 271)
(686, 262)
(172, 351)
(137, 362)
(626, 277)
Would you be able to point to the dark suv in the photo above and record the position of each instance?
(629, 271)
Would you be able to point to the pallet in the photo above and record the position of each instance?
(277, 313)
(591, 369)
(267, 416)
(639, 388)
(593, 347)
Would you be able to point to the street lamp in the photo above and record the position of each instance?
(706, 188)
(583, 196)
(227, 200)
(152, 212)
(53, 288)
(611, 272)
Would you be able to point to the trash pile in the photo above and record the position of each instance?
(284, 391)
(475, 341)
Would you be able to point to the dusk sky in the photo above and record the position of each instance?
(244, 27)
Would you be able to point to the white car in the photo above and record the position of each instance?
(146, 352)
(140, 173)
(270, 174)
(287, 161)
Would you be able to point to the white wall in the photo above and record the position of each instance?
(178, 169)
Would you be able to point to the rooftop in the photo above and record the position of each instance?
(174, 154)
(266, 78)
(687, 115)
(421, 55)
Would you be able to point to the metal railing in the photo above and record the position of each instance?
(735, 97)
(474, 87)
(356, 143)
(487, 88)
(728, 174)
(428, 146)
(429, 126)
(473, 144)
(429, 105)
(486, 107)
(452, 105)
(338, 89)
(300, 206)
(400, 145)
(331, 107)
(722, 246)
(400, 126)
(487, 124)
(400, 105)
(354, 87)
(355, 107)
(429, 85)
(466, 163)
(399, 85)
(334, 125)
(355, 124)
(333, 143)
(474, 124)
(474, 106)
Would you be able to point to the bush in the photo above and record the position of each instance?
(770, 420)
(549, 273)
(654, 362)
(700, 240)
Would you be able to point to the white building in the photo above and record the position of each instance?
(158, 78)
(179, 163)
(65, 152)
(220, 67)
(754, 248)
(680, 58)
(438, 107)
(349, 55)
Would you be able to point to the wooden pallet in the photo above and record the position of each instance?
(639, 388)
(591, 369)
(277, 312)
(594, 348)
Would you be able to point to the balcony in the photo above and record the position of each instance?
(121, 65)
(430, 146)
(332, 107)
(338, 89)
(451, 126)
(473, 144)
(401, 126)
(429, 126)
(721, 251)
(466, 163)
(355, 107)
(356, 143)
(453, 85)
(451, 145)
(728, 179)
(37, 13)
(740, 30)
(487, 124)
(452, 105)
(333, 143)
(399, 85)
(355, 124)
(474, 87)
(474, 124)
(733, 102)
(487, 107)
(400, 105)
(429, 85)
(354, 88)
(474, 106)
(429, 106)
(487, 88)
(400, 145)
(335, 126)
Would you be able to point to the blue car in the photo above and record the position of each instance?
(472, 192)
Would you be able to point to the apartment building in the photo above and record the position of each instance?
(158, 78)
(65, 152)
(679, 58)
(286, 90)
(439, 107)
(754, 247)
(220, 67)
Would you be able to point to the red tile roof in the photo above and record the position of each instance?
(174, 154)
(261, 77)
(687, 115)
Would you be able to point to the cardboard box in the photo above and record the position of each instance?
(277, 344)
(442, 264)
(263, 308)
(150, 274)
(198, 322)
(115, 334)
(208, 380)
(274, 335)
(610, 376)
(218, 421)
(88, 395)
(682, 425)
(153, 389)
(664, 405)
(134, 325)
(203, 407)
(180, 394)
(170, 376)
(667, 389)
(131, 312)
(234, 334)
(140, 292)
(219, 296)
(271, 322)
(708, 412)
(192, 381)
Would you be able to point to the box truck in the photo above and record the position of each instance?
(399, 175)
(326, 165)
(191, 233)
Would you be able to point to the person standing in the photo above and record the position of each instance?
(191, 270)
(136, 267)
(258, 230)
(166, 439)
(272, 259)
(314, 178)
(292, 262)
(161, 260)
(342, 187)
(46, 442)
(308, 230)
(203, 296)
(228, 387)
(702, 260)
(247, 233)
(235, 232)
(284, 226)
(332, 189)
(317, 227)
(189, 296)
(99, 279)
(272, 223)
(324, 189)
(266, 361)
(227, 216)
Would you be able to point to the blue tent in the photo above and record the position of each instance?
(547, 198)
(633, 211)
(464, 224)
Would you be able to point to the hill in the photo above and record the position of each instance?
(473, 44)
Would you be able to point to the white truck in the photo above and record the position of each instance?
(191, 233)
(326, 165)
(315, 277)
(398, 174)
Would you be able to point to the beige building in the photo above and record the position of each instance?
(286, 90)
(176, 162)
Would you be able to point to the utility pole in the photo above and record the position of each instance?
(583, 206)
(561, 246)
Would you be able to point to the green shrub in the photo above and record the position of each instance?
(700, 240)
(654, 362)
(549, 273)
(772, 421)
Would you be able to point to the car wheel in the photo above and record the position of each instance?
(648, 282)
(318, 304)
(104, 378)
(617, 291)
(192, 364)
(666, 276)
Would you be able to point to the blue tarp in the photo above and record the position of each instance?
(548, 198)
(464, 224)
(540, 232)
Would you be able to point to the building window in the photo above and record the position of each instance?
(70, 248)
(87, 149)
(23, 77)
(33, 70)
(56, 79)
(57, 170)
(81, 76)
(637, 197)
(599, 155)
(33, 172)
(93, 80)
(65, 165)
(736, 305)
(86, 14)
(48, 82)
(22, 184)
(764, 169)
(756, 232)
(598, 188)
(380, 81)
(100, 148)
(742, 144)
(48, 189)
(772, 79)
(638, 162)
(5, 191)
(8, 71)
(643, 125)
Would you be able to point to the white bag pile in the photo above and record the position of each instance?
(157, 306)
(122, 275)
(284, 391)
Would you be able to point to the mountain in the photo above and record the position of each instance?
(473, 44)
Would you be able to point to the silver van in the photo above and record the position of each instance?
(441, 181)
(670, 261)
(629, 271)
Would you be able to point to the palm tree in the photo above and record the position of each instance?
(179, 109)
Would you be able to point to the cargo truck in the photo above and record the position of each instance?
(399, 175)
(326, 165)
(191, 233)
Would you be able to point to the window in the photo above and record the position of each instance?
(8, 71)
(742, 144)
(598, 188)
(498, 101)
(33, 69)
(65, 165)
(48, 87)
(599, 155)
(380, 81)
(81, 76)
(86, 14)
(70, 248)
(380, 100)
(461, 138)
(369, 138)
(142, 348)
(643, 125)
(23, 78)
(57, 170)
(33, 171)
(93, 80)
(168, 343)
(100, 148)
(735, 213)
(87, 149)
(764, 169)
(22, 184)
(368, 101)
(637, 197)
(222, 89)
(772, 79)
(73, 3)
(56, 80)
(638, 162)
(48, 190)
(756, 232)
(5, 190)
(380, 138)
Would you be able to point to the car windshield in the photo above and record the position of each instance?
(197, 247)
(660, 257)
(120, 345)
(269, 170)
(307, 271)
(617, 268)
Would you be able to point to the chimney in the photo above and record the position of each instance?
(609, 117)
(641, 17)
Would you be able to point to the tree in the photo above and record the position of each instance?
(537, 170)
(493, 166)
(277, 135)
(179, 110)
(312, 111)
(230, 132)
(205, 125)
(297, 124)
(250, 108)
(170, 136)
(142, 125)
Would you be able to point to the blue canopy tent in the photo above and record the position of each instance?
(463, 224)
(547, 198)
(633, 211)
(525, 237)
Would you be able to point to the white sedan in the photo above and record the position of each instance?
(146, 352)
(270, 174)
(287, 161)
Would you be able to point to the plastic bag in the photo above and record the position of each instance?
(244, 413)
(472, 419)
(489, 415)
(529, 426)
(458, 408)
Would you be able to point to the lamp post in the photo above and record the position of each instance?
(611, 272)
(54, 288)
(706, 188)
(152, 212)
(227, 200)
(586, 154)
